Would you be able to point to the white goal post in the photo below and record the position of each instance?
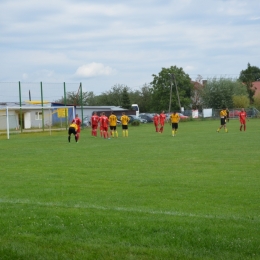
(16, 119)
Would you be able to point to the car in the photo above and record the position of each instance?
(147, 117)
(234, 113)
(86, 122)
(143, 120)
(136, 118)
(133, 118)
(183, 116)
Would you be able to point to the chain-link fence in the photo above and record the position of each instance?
(233, 113)
(17, 92)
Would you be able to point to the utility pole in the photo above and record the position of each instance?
(170, 102)
(177, 92)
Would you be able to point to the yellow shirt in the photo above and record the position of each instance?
(74, 125)
(175, 118)
(223, 113)
(112, 120)
(125, 119)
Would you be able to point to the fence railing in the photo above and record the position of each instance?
(233, 113)
(19, 92)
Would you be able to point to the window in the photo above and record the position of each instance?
(38, 115)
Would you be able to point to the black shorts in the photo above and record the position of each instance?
(124, 127)
(174, 125)
(72, 130)
(113, 128)
(222, 121)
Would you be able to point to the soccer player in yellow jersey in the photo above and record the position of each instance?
(175, 118)
(112, 125)
(73, 128)
(223, 116)
(124, 120)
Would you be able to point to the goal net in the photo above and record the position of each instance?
(17, 120)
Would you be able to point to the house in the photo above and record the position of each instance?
(87, 111)
(256, 86)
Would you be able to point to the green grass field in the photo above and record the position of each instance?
(148, 196)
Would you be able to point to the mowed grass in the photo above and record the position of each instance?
(148, 196)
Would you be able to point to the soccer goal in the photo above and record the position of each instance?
(17, 120)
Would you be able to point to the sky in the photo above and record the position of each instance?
(104, 43)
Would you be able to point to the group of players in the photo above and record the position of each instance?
(224, 118)
(159, 121)
(101, 121)
(107, 125)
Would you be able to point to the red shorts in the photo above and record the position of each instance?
(78, 131)
(94, 127)
(242, 122)
(105, 128)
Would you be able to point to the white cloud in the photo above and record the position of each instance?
(94, 69)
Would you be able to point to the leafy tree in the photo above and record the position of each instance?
(240, 101)
(171, 78)
(74, 98)
(257, 101)
(92, 100)
(112, 97)
(219, 92)
(125, 99)
(249, 75)
(143, 98)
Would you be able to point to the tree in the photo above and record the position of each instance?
(74, 98)
(249, 75)
(219, 92)
(143, 98)
(125, 99)
(169, 81)
(113, 97)
(240, 101)
(257, 101)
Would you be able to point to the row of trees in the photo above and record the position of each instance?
(172, 88)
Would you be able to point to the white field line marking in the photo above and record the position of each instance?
(134, 210)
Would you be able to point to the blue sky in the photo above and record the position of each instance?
(103, 43)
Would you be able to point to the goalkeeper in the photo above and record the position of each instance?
(73, 130)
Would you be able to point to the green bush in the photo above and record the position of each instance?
(135, 123)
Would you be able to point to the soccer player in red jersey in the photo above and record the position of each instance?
(100, 125)
(105, 122)
(156, 122)
(77, 121)
(162, 121)
(94, 124)
(242, 119)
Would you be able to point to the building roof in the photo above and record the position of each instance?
(256, 86)
(112, 108)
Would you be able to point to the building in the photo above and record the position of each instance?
(32, 115)
(87, 111)
(256, 86)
